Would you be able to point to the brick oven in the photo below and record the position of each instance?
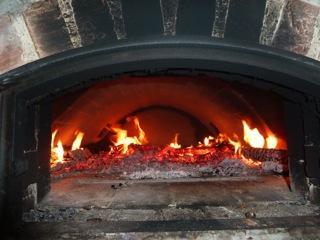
(159, 125)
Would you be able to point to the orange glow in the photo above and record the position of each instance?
(250, 162)
(272, 142)
(124, 141)
(174, 143)
(77, 142)
(252, 136)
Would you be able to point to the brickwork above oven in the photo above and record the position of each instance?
(33, 29)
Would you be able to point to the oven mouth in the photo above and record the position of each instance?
(41, 95)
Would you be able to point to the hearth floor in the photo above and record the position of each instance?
(89, 207)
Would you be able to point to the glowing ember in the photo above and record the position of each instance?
(250, 162)
(77, 142)
(175, 143)
(254, 146)
(252, 136)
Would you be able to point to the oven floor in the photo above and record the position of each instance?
(85, 207)
(83, 191)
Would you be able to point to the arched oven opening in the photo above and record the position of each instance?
(113, 132)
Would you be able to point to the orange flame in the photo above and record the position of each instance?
(53, 136)
(272, 142)
(77, 142)
(255, 139)
(58, 151)
(124, 141)
(142, 135)
(206, 140)
(174, 143)
(252, 136)
(236, 145)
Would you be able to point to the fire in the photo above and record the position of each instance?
(236, 145)
(272, 142)
(174, 143)
(58, 151)
(53, 136)
(210, 147)
(124, 141)
(255, 139)
(206, 140)
(77, 142)
(252, 136)
(142, 135)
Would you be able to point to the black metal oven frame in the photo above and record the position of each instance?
(27, 92)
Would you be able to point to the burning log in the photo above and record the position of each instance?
(264, 155)
(79, 154)
(117, 151)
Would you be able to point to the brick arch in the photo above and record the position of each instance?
(34, 29)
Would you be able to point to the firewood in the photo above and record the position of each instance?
(79, 154)
(264, 155)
